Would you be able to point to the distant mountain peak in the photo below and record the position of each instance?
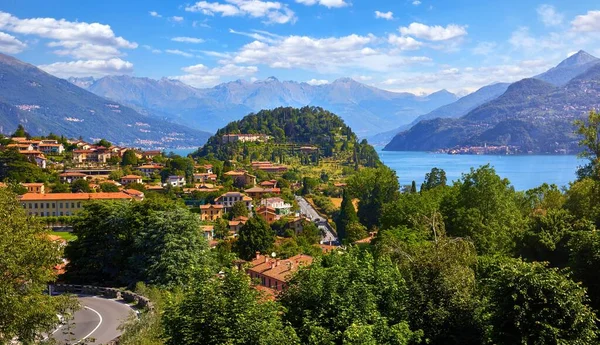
(578, 59)
(345, 80)
(271, 79)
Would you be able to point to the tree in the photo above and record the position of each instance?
(129, 158)
(413, 187)
(255, 236)
(532, 304)
(104, 143)
(355, 231)
(590, 142)
(17, 168)
(27, 259)
(109, 187)
(584, 260)
(20, 132)
(308, 185)
(346, 216)
(81, 185)
(225, 310)
(221, 228)
(435, 178)
(61, 188)
(239, 209)
(547, 237)
(374, 187)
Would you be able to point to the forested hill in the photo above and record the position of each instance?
(307, 131)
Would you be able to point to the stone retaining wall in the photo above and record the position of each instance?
(127, 296)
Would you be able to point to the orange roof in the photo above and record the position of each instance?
(32, 184)
(73, 196)
(83, 151)
(209, 206)
(133, 192)
(131, 177)
(235, 173)
(279, 269)
(72, 174)
(150, 167)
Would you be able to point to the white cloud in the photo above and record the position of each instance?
(176, 19)
(155, 14)
(260, 35)
(203, 76)
(86, 68)
(404, 42)
(151, 49)
(78, 39)
(10, 44)
(434, 33)
(272, 11)
(326, 3)
(179, 52)
(187, 39)
(317, 82)
(589, 22)
(384, 15)
(484, 48)
(549, 16)
(416, 2)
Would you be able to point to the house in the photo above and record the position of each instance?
(150, 154)
(63, 204)
(211, 212)
(242, 178)
(149, 169)
(280, 206)
(297, 224)
(208, 231)
(259, 192)
(269, 184)
(232, 138)
(267, 213)
(34, 187)
(230, 198)
(36, 157)
(176, 181)
(128, 179)
(274, 273)
(92, 155)
(236, 224)
(21, 147)
(269, 167)
(204, 177)
(208, 168)
(70, 177)
(51, 147)
(134, 193)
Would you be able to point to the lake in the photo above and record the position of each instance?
(524, 172)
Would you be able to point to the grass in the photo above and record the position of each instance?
(67, 236)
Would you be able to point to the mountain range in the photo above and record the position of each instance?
(44, 104)
(366, 109)
(534, 114)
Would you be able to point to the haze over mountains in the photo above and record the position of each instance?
(44, 104)
(534, 114)
(366, 109)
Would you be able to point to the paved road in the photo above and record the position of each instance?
(307, 209)
(99, 319)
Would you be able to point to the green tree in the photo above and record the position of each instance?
(483, 207)
(129, 158)
(81, 185)
(374, 187)
(27, 260)
(221, 228)
(308, 185)
(346, 216)
(529, 303)
(435, 178)
(20, 132)
(547, 237)
(17, 168)
(583, 200)
(413, 187)
(255, 236)
(355, 231)
(225, 310)
(109, 187)
(584, 260)
(61, 188)
(590, 142)
(104, 143)
(238, 209)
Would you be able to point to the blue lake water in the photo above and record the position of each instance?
(524, 172)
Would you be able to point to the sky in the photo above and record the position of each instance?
(418, 46)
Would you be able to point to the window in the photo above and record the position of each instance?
(61, 213)
(30, 206)
(47, 205)
(53, 213)
(72, 205)
(79, 205)
(41, 205)
(60, 205)
(53, 205)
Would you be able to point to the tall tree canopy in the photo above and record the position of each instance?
(374, 187)
(255, 236)
(590, 142)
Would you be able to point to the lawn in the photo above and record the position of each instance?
(67, 236)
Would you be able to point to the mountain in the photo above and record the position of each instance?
(366, 109)
(532, 114)
(44, 104)
(453, 110)
(569, 68)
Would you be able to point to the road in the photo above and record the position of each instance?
(98, 319)
(306, 209)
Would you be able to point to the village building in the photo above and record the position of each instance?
(149, 169)
(35, 187)
(274, 273)
(267, 213)
(176, 181)
(150, 154)
(134, 193)
(36, 157)
(259, 192)
(208, 231)
(236, 224)
(70, 177)
(269, 184)
(51, 147)
(269, 167)
(204, 177)
(21, 147)
(63, 204)
(280, 206)
(241, 177)
(297, 224)
(230, 198)
(232, 138)
(129, 179)
(211, 212)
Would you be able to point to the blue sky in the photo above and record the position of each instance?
(401, 45)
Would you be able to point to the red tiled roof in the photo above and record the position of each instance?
(279, 269)
(73, 196)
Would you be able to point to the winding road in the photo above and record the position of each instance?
(98, 319)
(306, 209)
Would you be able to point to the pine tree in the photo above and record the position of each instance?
(413, 187)
(347, 216)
